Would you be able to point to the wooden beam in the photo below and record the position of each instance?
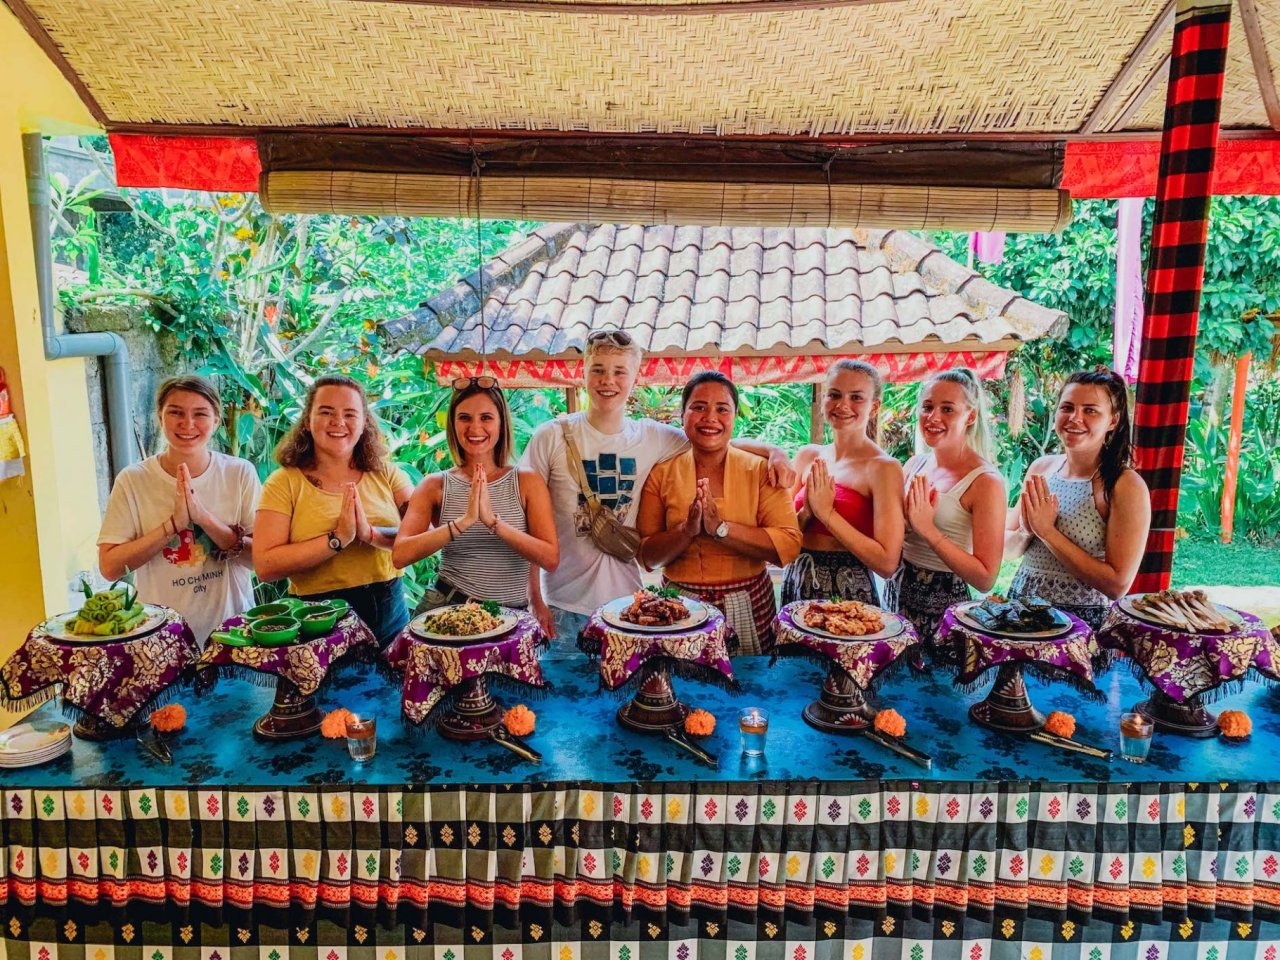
(1261, 62)
(689, 8)
(31, 23)
(1155, 33)
(815, 414)
(571, 399)
(860, 139)
(1157, 81)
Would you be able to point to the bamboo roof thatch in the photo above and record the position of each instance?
(807, 68)
(738, 293)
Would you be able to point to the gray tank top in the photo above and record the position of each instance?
(478, 563)
(1043, 574)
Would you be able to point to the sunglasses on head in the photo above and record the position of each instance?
(619, 338)
(484, 383)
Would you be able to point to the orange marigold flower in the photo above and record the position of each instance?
(334, 724)
(519, 720)
(1060, 724)
(700, 723)
(170, 718)
(1235, 723)
(890, 722)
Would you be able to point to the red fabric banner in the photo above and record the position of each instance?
(222, 164)
(1111, 170)
(744, 371)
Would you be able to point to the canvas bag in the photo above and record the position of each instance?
(607, 532)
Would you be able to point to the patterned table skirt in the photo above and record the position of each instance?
(508, 863)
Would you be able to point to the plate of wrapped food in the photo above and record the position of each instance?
(107, 616)
(654, 610)
(1023, 618)
(1188, 611)
(846, 620)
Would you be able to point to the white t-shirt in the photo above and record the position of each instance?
(184, 575)
(617, 466)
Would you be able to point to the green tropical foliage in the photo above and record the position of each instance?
(266, 303)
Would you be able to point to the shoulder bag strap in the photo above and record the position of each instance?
(575, 463)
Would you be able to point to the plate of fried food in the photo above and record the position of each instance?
(464, 622)
(1189, 611)
(846, 620)
(1022, 618)
(655, 610)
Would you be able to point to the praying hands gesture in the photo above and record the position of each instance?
(921, 507)
(1039, 506)
(348, 525)
(710, 512)
(692, 525)
(820, 490)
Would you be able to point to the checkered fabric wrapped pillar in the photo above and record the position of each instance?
(1185, 184)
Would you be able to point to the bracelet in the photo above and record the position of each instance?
(236, 548)
(452, 535)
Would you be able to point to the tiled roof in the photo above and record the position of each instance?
(684, 291)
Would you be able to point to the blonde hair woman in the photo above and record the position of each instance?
(955, 502)
(849, 501)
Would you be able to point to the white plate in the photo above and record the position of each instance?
(33, 737)
(56, 627)
(31, 760)
(893, 624)
(507, 620)
(611, 613)
(1126, 604)
(1061, 630)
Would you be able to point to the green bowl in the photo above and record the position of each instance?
(237, 637)
(341, 606)
(317, 619)
(275, 631)
(280, 608)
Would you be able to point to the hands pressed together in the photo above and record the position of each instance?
(479, 504)
(704, 515)
(352, 523)
(921, 506)
(1039, 507)
(187, 508)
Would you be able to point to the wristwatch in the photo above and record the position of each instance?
(335, 544)
(722, 531)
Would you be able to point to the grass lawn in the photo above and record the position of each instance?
(1242, 564)
(1204, 563)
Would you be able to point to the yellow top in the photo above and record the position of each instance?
(748, 499)
(313, 512)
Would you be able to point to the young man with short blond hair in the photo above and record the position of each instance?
(617, 454)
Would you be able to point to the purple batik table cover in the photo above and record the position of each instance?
(698, 654)
(109, 681)
(433, 671)
(1267, 660)
(1069, 657)
(1184, 665)
(862, 660)
(305, 664)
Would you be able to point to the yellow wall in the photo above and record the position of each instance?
(48, 518)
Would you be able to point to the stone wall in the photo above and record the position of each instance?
(152, 358)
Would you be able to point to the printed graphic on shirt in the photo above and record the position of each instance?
(613, 480)
(190, 548)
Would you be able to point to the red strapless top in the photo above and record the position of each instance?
(851, 505)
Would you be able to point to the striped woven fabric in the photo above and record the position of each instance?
(1177, 268)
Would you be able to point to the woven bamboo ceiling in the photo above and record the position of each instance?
(801, 68)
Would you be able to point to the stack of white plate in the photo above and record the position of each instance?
(33, 742)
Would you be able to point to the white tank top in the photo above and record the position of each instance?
(950, 517)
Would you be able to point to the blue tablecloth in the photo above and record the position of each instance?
(580, 741)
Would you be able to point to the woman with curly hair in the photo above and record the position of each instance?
(329, 516)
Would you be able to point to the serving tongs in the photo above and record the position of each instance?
(505, 738)
(899, 747)
(680, 739)
(1062, 743)
(154, 745)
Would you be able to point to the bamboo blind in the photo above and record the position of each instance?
(667, 201)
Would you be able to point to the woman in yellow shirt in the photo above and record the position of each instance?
(328, 517)
(711, 520)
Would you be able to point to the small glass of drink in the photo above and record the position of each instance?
(1135, 737)
(753, 724)
(362, 737)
